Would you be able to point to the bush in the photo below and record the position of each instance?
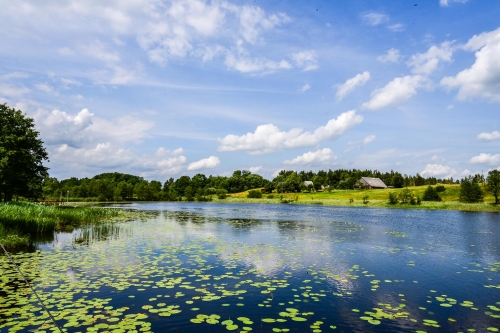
(270, 196)
(255, 194)
(431, 194)
(470, 191)
(406, 196)
(440, 188)
(221, 193)
(365, 199)
(393, 198)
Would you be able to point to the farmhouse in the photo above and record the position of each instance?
(372, 183)
(307, 183)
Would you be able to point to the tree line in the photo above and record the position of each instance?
(125, 187)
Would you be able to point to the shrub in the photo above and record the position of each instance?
(221, 193)
(365, 199)
(431, 194)
(440, 188)
(406, 196)
(393, 198)
(470, 191)
(255, 194)
(270, 196)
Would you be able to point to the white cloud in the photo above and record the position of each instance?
(396, 27)
(317, 157)
(495, 135)
(438, 170)
(268, 138)
(426, 63)
(450, 107)
(482, 79)
(395, 92)
(253, 21)
(206, 163)
(45, 88)
(485, 159)
(14, 75)
(245, 64)
(349, 85)
(111, 156)
(84, 129)
(445, 3)
(12, 91)
(305, 87)
(439, 159)
(373, 18)
(392, 55)
(308, 60)
(255, 169)
(369, 138)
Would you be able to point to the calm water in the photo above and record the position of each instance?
(268, 268)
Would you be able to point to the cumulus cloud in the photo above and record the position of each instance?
(84, 128)
(392, 55)
(269, 138)
(395, 92)
(255, 169)
(253, 20)
(495, 135)
(307, 60)
(305, 87)
(445, 3)
(349, 85)
(438, 170)
(426, 63)
(206, 163)
(482, 79)
(111, 156)
(313, 157)
(374, 18)
(486, 159)
(356, 145)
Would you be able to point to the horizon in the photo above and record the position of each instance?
(163, 89)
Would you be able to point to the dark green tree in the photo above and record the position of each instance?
(21, 156)
(493, 182)
(470, 191)
(431, 194)
(189, 193)
(398, 181)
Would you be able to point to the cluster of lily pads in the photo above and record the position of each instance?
(182, 265)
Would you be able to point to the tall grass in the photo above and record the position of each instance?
(35, 218)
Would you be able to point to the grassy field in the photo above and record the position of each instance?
(376, 198)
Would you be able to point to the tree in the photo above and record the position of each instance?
(431, 194)
(470, 191)
(493, 181)
(406, 196)
(21, 156)
(398, 180)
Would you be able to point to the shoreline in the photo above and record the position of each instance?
(429, 205)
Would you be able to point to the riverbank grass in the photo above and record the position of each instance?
(20, 219)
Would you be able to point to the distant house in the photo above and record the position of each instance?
(307, 183)
(372, 183)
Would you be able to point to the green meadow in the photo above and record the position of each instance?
(376, 198)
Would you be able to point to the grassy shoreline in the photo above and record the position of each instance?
(20, 220)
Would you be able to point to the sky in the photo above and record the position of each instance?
(162, 88)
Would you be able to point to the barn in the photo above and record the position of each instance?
(372, 183)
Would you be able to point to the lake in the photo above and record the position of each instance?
(201, 267)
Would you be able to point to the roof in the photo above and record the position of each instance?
(373, 182)
(308, 182)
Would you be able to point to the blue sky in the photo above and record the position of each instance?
(169, 88)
